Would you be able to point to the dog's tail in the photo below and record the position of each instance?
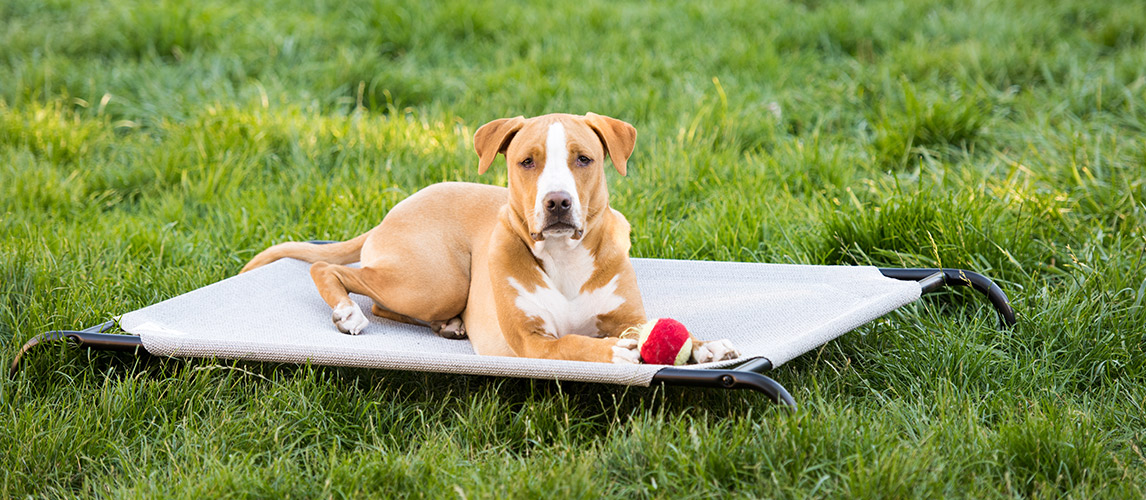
(343, 252)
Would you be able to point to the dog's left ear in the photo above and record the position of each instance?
(618, 137)
(493, 138)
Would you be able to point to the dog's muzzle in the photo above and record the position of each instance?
(558, 207)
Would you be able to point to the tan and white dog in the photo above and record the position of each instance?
(538, 270)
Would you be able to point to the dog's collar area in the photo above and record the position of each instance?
(554, 242)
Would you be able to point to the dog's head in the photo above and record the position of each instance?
(556, 167)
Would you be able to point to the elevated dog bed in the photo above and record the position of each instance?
(771, 312)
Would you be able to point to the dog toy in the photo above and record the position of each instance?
(664, 341)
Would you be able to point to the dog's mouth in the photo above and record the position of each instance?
(558, 228)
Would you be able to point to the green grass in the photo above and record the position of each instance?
(149, 148)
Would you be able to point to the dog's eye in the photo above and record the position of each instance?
(583, 161)
(527, 163)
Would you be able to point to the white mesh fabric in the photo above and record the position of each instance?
(274, 313)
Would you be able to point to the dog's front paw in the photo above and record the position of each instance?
(348, 317)
(625, 352)
(714, 350)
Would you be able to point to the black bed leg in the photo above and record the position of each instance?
(92, 338)
(746, 376)
(932, 279)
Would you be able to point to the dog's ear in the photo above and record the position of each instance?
(618, 137)
(493, 138)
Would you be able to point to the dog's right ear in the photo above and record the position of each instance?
(493, 138)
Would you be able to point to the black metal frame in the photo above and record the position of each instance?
(933, 279)
(92, 338)
(746, 375)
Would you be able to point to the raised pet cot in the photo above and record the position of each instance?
(771, 312)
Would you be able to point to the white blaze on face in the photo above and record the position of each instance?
(556, 177)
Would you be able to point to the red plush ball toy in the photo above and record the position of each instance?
(664, 341)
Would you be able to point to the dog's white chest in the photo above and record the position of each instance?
(559, 302)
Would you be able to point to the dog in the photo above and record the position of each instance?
(539, 269)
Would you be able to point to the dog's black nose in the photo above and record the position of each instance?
(558, 203)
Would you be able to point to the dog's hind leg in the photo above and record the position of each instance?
(453, 329)
(382, 312)
(389, 287)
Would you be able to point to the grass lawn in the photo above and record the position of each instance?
(148, 148)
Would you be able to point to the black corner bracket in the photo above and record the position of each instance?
(91, 337)
(933, 279)
(745, 376)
